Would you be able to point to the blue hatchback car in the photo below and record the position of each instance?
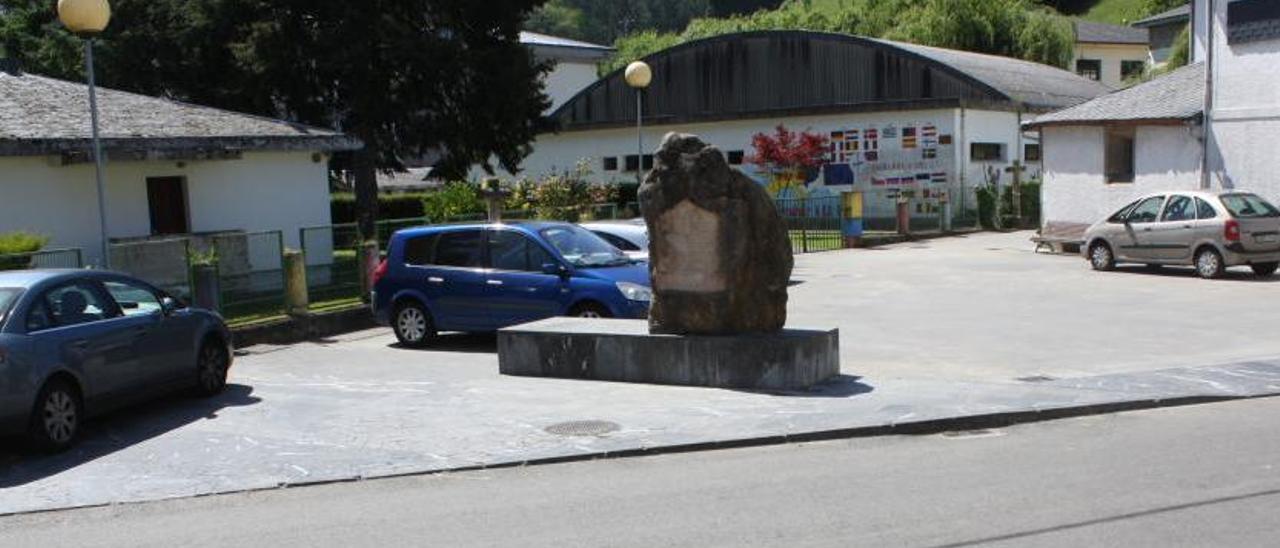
(75, 343)
(483, 277)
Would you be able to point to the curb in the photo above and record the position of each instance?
(917, 428)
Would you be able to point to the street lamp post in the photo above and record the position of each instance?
(87, 18)
(638, 75)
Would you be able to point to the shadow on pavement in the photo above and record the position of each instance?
(118, 430)
(839, 386)
(1234, 274)
(478, 343)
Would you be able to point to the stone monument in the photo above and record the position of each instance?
(719, 254)
(720, 263)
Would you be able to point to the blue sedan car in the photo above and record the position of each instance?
(76, 343)
(482, 277)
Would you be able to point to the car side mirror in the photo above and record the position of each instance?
(555, 269)
(168, 306)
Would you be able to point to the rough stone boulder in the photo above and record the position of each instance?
(719, 255)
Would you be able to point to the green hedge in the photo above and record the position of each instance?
(342, 206)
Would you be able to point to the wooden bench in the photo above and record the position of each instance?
(1060, 237)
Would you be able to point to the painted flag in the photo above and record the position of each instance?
(922, 177)
(939, 177)
(929, 131)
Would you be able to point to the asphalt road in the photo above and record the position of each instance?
(1192, 476)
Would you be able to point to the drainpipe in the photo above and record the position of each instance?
(1210, 46)
(962, 155)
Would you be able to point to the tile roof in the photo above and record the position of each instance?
(1179, 14)
(1102, 33)
(40, 116)
(1178, 95)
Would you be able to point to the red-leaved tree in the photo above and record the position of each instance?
(787, 156)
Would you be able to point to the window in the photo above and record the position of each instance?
(986, 152)
(133, 300)
(509, 250)
(1147, 211)
(76, 304)
(735, 157)
(1132, 69)
(1031, 152)
(1089, 68)
(461, 249)
(611, 163)
(8, 296)
(583, 248)
(1180, 208)
(1248, 206)
(617, 241)
(1119, 155)
(38, 317)
(1252, 21)
(1120, 216)
(631, 162)
(167, 204)
(417, 250)
(1204, 210)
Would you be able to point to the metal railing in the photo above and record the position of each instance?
(332, 254)
(49, 258)
(813, 224)
(251, 273)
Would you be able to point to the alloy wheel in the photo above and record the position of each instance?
(1101, 257)
(213, 369)
(589, 313)
(60, 418)
(412, 324)
(1208, 264)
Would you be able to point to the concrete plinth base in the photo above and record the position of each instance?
(623, 350)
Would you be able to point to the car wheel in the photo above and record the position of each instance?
(56, 418)
(1263, 270)
(1209, 264)
(1101, 258)
(590, 310)
(412, 325)
(212, 364)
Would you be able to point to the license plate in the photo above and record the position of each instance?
(1266, 238)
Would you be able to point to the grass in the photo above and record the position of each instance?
(253, 314)
(1115, 12)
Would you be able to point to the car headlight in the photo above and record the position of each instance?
(635, 292)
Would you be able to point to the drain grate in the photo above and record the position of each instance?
(582, 428)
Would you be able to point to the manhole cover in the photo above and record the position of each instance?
(582, 428)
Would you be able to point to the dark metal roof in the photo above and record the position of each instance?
(1174, 97)
(1102, 33)
(44, 116)
(779, 73)
(1180, 14)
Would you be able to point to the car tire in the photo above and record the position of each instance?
(412, 324)
(1264, 270)
(1101, 258)
(212, 365)
(56, 417)
(590, 310)
(1209, 264)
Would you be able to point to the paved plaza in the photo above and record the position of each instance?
(940, 329)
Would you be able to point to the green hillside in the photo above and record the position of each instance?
(1116, 12)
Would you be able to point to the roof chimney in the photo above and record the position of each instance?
(10, 66)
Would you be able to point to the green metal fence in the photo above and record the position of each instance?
(333, 261)
(812, 223)
(250, 273)
(50, 258)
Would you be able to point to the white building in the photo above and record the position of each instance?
(1155, 136)
(899, 116)
(1110, 54)
(575, 63)
(171, 168)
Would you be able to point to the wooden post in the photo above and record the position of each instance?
(296, 298)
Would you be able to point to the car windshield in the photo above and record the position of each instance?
(1248, 206)
(8, 296)
(581, 247)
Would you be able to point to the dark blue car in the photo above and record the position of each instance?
(482, 277)
(75, 343)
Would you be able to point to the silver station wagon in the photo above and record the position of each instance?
(1208, 230)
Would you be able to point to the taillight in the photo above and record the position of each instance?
(380, 271)
(1231, 230)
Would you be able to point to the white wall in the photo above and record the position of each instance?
(261, 191)
(1111, 55)
(1075, 188)
(567, 79)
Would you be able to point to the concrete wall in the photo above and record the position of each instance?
(261, 191)
(1111, 55)
(1075, 189)
(1246, 113)
(567, 79)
